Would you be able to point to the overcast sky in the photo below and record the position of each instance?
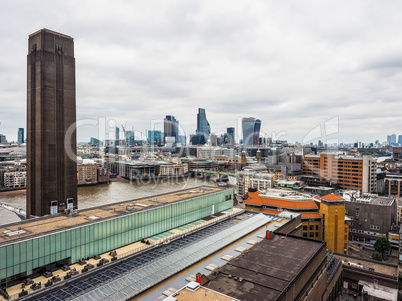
(292, 64)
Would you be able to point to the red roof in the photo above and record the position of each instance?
(332, 197)
(296, 204)
(270, 211)
(310, 215)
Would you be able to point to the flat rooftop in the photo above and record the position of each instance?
(265, 270)
(386, 269)
(336, 157)
(375, 200)
(36, 226)
(286, 194)
(201, 294)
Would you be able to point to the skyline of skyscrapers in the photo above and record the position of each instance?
(51, 110)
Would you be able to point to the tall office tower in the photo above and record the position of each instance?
(155, 137)
(231, 134)
(171, 128)
(400, 139)
(51, 145)
(203, 128)
(130, 137)
(20, 136)
(393, 138)
(257, 127)
(248, 130)
(117, 137)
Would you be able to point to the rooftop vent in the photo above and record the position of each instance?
(193, 286)
(10, 233)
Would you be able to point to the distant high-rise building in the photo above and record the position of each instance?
(231, 135)
(3, 139)
(203, 127)
(171, 128)
(400, 139)
(251, 131)
(117, 136)
(51, 112)
(182, 139)
(391, 139)
(130, 138)
(248, 130)
(94, 142)
(257, 128)
(20, 136)
(155, 137)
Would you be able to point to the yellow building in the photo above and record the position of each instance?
(336, 232)
(278, 201)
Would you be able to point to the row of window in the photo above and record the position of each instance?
(310, 234)
(311, 227)
(365, 232)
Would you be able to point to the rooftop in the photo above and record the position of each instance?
(297, 203)
(32, 227)
(378, 267)
(336, 157)
(201, 294)
(265, 270)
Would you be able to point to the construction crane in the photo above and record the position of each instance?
(124, 132)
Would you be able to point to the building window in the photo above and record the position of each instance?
(311, 234)
(311, 227)
(304, 234)
(316, 227)
(304, 228)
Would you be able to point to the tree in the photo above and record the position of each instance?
(376, 256)
(382, 245)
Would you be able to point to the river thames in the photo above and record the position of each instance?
(118, 190)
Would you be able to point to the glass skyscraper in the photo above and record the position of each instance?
(248, 130)
(231, 135)
(20, 136)
(257, 128)
(171, 128)
(155, 137)
(203, 127)
(251, 131)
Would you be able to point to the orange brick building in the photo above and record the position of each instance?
(348, 172)
(323, 218)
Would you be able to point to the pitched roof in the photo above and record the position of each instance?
(270, 211)
(332, 197)
(310, 215)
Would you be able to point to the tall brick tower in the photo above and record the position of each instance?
(51, 114)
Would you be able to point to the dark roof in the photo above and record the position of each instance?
(267, 268)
